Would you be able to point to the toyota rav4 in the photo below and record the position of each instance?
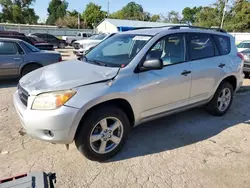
(130, 78)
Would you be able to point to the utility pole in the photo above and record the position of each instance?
(108, 9)
(79, 21)
(224, 13)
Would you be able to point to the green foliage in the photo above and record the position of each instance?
(57, 9)
(155, 18)
(18, 11)
(172, 17)
(189, 14)
(93, 15)
(132, 11)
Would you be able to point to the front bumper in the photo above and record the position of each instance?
(62, 123)
(79, 52)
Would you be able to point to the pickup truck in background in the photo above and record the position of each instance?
(79, 36)
(81, 47)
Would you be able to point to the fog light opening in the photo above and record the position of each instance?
(48, 133)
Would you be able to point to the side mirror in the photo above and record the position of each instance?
(153, 64)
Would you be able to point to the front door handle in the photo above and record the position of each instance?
(185, 73)
(17, 59)
(222, 65)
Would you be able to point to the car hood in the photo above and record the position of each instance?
(65, 75)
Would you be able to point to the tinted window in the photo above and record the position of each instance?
(170, 49)
(31, 47)
(84, 35)
(201, 46)
(8, 48)
(223, 44)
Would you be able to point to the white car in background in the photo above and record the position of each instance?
(82, 46)
(244, 45)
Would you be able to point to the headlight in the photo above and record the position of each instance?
(246, 57)
(52, 100)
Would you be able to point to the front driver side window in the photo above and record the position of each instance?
(170, 49)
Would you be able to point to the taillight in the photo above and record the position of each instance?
(60, 59)
(240, 55)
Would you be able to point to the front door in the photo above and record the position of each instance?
(10, 59)
(169, 88)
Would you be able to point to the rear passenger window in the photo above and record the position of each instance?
(201, 46)
(223, 43)
(8, 48)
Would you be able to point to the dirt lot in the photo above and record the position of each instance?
(187, 150)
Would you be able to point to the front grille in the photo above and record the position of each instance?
(247, 65)
(23, 95)
(76, 46)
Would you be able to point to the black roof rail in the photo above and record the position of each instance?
(197, 27)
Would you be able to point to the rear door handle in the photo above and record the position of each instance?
(222, 65)
(185, 73)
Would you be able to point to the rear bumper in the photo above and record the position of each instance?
(62, 123)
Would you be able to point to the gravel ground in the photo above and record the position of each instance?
(187, 150)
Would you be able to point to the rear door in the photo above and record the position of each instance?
(208, 67)
(11, 58)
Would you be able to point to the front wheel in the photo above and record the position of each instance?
(29, 68)
(222, 100)
(103, 133)
(62, 45)
(246, 74)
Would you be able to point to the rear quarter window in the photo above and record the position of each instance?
(223, 43)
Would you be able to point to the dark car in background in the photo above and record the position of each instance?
(40, 43)
(21, 36)
(17, 58)
(51, 39)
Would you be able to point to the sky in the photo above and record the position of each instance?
(152, 6)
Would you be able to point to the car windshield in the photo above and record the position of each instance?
(244, 45)
(98, 37)
(118, 50)
(31, 47)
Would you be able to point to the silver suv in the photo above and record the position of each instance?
(128, 79)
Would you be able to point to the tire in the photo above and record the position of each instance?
(61, 45)
(92, 150)
(72, 42)
(29, 68)
(246, 74)
(214, 105)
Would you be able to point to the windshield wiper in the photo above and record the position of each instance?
(98, 63)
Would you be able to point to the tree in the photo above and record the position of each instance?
(238, 19)
(18, 11)
(57, 9)
(189, 14)
(155, 18)
(172, 17)
(70, 20)
(93, 15)
(132, 11)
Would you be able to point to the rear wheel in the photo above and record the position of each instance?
(103, 133)
(29, 68)
(222, 100)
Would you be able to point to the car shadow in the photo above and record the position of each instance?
(182, 129)
(8, 83)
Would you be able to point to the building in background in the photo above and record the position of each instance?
(116, 25)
